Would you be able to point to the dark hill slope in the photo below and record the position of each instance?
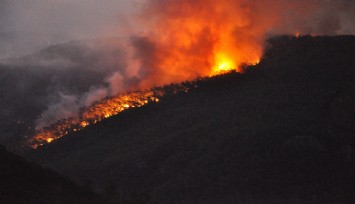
(281, 133)
(24, 182)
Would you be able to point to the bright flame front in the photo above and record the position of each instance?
(99, 111)
(223, 64)
(190, 39)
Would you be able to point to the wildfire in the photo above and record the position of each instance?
(190, 39)
(185, 40)
(223, 64)
(99, 111)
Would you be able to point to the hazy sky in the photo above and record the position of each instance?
(77, 16)
(33, 23)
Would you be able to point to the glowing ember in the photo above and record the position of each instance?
(255, 62)
(49, 140)
(298, 34)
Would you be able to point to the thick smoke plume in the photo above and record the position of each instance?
(106, 60)
(184, 39)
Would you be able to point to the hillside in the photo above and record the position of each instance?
(280, 133)
(24, 182)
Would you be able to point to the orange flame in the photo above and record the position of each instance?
(99, 111)
(298, 34)
(187, 39)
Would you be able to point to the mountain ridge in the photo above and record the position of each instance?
(281, 132)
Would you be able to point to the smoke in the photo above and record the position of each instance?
(66, 107)
(184, 39)
(116, 82)
(105, 59)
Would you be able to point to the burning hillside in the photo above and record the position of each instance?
(101, 110)
(183, 40)
(187, 39)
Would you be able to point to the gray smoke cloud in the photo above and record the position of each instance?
(107, 58)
